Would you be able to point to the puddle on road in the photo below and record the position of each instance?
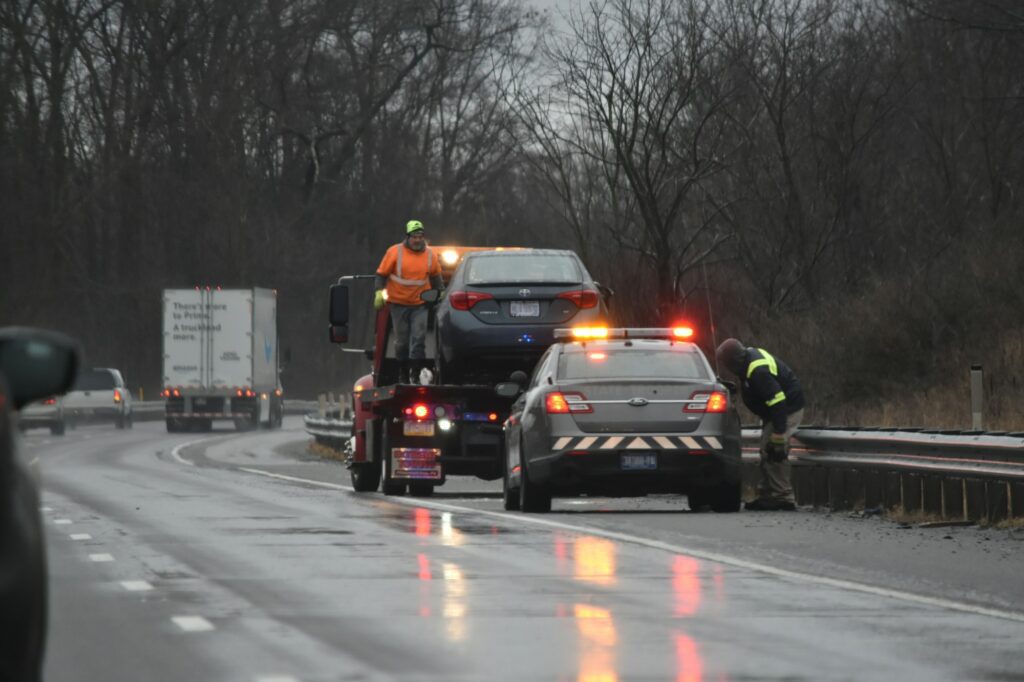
(451, 528)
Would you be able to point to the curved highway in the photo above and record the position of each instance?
(230, 556)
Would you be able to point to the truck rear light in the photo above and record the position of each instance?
(583, 298)
(465, 300)
(177, 393)
(420, 411)
(50, 401)
(117, 395)
(708, 401)
(564, 403)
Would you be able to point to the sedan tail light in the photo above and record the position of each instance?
(117, 395)
(564, 403)
(708, 401)
(464, 300)
(583, 298)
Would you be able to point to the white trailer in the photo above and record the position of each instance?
(221, 358)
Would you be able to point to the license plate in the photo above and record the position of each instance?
(418, 428)
(639, 462)
(525, 309)
(416, 463)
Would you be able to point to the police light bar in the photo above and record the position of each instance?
(590, 333)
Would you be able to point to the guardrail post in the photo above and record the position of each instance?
(977, 387)
(321, 401)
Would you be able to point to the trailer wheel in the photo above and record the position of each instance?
(365, 477)
(388, 485)
(420, 489)
(173, 426)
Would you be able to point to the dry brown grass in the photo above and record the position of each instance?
(326, 452)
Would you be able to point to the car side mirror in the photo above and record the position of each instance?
(519, 378)
(607, 292)
(37, 363)
(508, 389)
(338, 313)
(430, 296)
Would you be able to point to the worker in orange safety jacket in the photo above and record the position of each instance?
(407, 270)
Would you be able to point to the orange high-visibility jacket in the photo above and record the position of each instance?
(408, 273)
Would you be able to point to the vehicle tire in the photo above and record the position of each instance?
(57, 428)
(698, 499)
(726, 497)
(365, 477)
(532, 496)
(510, 494)
(119, 422)
(388, 486)
(129, 421)
(420, 489)
(172, 425)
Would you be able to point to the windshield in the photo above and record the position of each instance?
(94, 380)
(521, 269)
(632, 363)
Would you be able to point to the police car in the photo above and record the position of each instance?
(622, 412)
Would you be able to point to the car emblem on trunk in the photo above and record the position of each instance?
(524, 292)
(638, 402)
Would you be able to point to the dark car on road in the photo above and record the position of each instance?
(33, 365)
(502, 307)
(622, 412)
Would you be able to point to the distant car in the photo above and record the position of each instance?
(99, 395)
(33, 364)
(501, 309)
(622, 412)
(47, 413)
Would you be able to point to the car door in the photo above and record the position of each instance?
(514, 429)
(535, 426)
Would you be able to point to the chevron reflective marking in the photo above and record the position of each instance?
(638, 444)
(665, 443)
(612, 442)
(713, 442)
(586, 442)
(690, 443)
(562, 442)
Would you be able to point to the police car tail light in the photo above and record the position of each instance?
(464, 300)
(707, 401)
(583, 298)
(564, 403)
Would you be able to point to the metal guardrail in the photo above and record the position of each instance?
(330, 430)
(153, 410)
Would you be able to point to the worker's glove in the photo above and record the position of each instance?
(775, 449)
(378, 299)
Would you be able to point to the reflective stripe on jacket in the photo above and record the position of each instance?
(770, 389)
(408, 273)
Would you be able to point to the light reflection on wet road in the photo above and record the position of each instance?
(316, 583)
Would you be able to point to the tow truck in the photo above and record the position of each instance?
(412, 436)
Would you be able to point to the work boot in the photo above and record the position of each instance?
(765, 504)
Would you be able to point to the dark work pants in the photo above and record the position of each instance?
(410, 323)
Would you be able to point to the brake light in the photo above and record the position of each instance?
(177, 393)
(583, 298)
(564, 403)
(419, 411)
(465, 300)
(50, 401)
(117, 395)
(708, 402)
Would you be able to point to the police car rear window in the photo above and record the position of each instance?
(523, 269)
(633, 363)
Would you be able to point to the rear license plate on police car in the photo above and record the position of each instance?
(639, 461)
(525, 309)
(418, 428)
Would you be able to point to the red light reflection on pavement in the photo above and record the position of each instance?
(424, 567)
(598, 639)
(422, 517)
(595, 560)
(689, 666)
(686, 585)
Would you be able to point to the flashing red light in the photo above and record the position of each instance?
(682, 332)
(465, 300)
(117, 395)
(420, 411)
(708, 402)
(583, 298)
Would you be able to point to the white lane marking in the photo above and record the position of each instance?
(586, 442)
(101, 558)
(713, 442)
(638, 444)
(611, 442)
(192, 623)
(46, 509)
(62, 522)
(176, 452)
(679, 549)
(562, 442)
(276, 678)
(136, 585)
(690, 443)
(80, 536)
(664, 442)
(35, 461)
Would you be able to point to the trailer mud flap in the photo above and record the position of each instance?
(416, 463)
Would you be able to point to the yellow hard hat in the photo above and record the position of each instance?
(413, 226)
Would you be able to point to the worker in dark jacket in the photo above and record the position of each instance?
(770, 390)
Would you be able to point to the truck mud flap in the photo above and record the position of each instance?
(419, 464)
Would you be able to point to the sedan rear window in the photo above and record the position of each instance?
(632, 364)
(523, 269)
(94, 380)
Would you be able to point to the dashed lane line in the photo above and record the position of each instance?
(192, 623)
(46, 509)
(101, 558)
(136, 585)
(276, 678)
(678, 549)
(62, 522)
(80, 536)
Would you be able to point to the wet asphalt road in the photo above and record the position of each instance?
(243, 557)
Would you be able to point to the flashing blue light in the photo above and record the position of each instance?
(475, 416)
(526, 338)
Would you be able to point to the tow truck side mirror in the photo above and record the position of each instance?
(339, 333)
(338, 313)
